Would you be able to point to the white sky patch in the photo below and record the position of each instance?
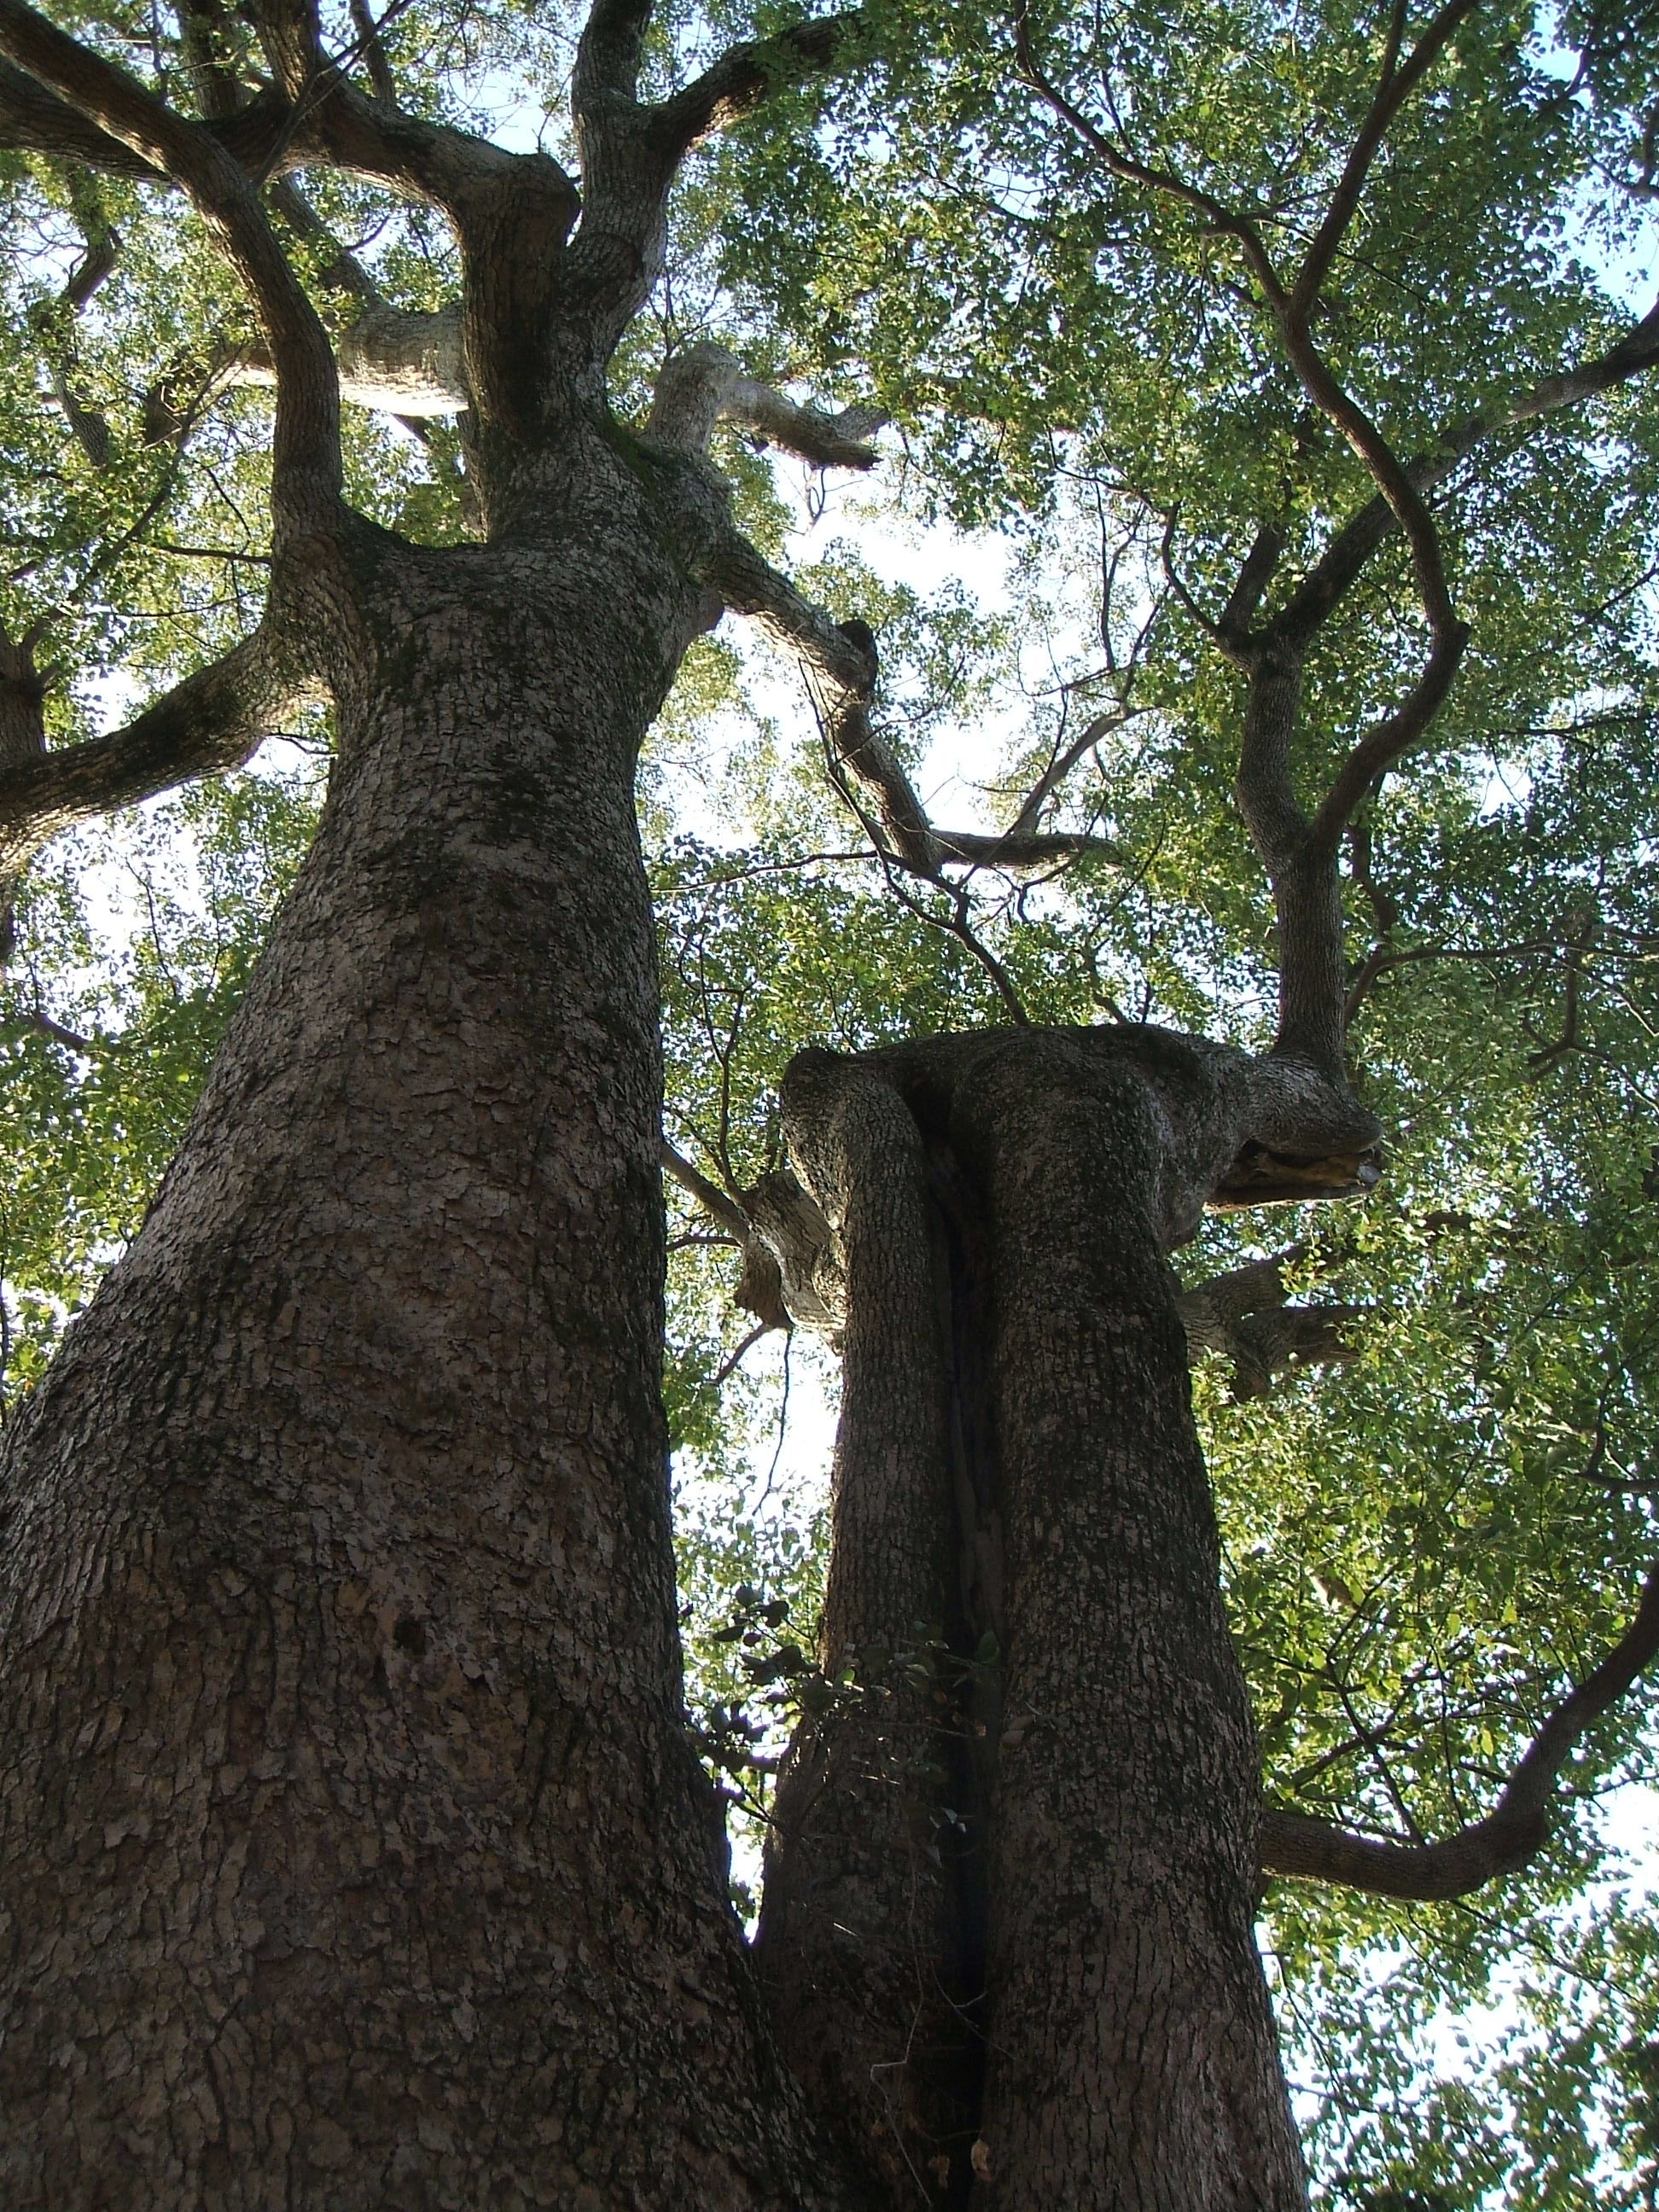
(1630, 1822)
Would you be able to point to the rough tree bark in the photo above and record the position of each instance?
(351, 1851)
(354, 1853)
(871, 1947)
(1007, 1933)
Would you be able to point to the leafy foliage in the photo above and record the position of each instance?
(1426, 1545)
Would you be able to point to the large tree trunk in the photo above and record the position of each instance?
(1118, 2052)
(353, 1853)
(1133, 2063)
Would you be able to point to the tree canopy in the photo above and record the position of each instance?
(1254, 346)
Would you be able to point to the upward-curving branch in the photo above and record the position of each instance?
(746, 75)
(1513, 1832)
(305, 470)
(213, 720)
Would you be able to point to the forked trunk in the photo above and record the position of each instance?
(353, 1854)
(1116, 2051)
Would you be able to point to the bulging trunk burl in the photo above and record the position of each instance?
(353, 1853)
(1093, 2029)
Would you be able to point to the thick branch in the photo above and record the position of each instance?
(839, 659)
(213, 720)
(1512, 1833)
(22, 696)
(609, 53)
(1310, 911)
(719, 1203)
(760, 1289)
(22, 738)
(746, 75)
(33, 121)
(305, 462)
(1292, 309)
(1019, 850)
(336, 123)
(341, 271)
(1345, 558)
(1025, 823)
(1386, 741)
(627, 169)
(433, 160)
(290, 31)
(1393, 480)
(1264, 787)
(399, 362)
(840, 663)
(1300, 856)
(1243, 1315)
(56, 322)
(1398, 83)
(706, 384)
(1306, 892)
(98, 262)
(205, 35)
(1254, 574)
(372, 48)
(630, 151)
(511, 214)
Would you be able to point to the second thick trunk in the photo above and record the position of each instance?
(1132, 2058)
(1118, 2052)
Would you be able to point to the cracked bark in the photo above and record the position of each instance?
(1128, 1765)
(354, 1851)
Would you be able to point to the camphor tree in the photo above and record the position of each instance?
(356, 1851)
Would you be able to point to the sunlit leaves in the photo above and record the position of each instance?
(1426, 1545)
(135, 944)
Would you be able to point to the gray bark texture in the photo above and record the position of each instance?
(1009, 1907)
(353, 1852)
(1127, 1770)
